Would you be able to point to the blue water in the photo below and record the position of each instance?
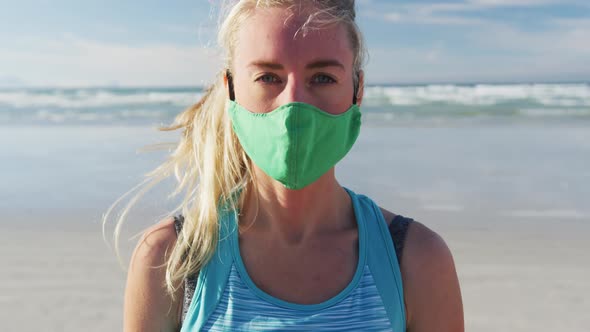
(505, 151)
(438, 104)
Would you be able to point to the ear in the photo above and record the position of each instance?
(361, 88)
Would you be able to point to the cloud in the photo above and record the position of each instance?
(564, 38)
(511, 3)
(455, 13)
(504, 53)
(488, 50)
(491, 47)
(435, 14)
(425, 16)
(408, 66)
(72, 61)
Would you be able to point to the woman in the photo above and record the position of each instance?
(269, 240)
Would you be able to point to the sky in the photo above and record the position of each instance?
(69, 43)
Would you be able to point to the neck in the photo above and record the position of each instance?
(293, 215)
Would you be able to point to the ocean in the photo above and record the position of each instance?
(506, 149)
(392, 105)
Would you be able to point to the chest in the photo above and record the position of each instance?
(307, 274)
(359, 309)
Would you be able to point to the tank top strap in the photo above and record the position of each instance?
(213, 277)
(382, 260)
(398, 228)
(203, 294)
(190, 283)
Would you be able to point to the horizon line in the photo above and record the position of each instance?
(388, 84)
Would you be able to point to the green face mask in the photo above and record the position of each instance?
(296, 143)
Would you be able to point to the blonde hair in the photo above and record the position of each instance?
(208, 162)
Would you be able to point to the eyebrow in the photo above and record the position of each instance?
(323, 63)
(266, 64)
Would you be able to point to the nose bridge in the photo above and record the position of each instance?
(295, 90)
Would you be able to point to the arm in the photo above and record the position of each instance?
(148, 306)
(431, 287)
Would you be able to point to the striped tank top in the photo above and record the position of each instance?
(224, 298)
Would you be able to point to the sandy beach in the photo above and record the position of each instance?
(521, 252)
(63, 278)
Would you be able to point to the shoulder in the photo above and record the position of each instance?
(387, 215)
(148, 305)
(431, 287)
(155, 242)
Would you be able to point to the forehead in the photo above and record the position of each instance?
(272, 34)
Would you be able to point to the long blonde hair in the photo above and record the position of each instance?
(208, 162)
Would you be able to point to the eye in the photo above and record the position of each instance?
(323, 79)
(268, 79)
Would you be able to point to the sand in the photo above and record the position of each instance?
(511, 203)
(64, 278)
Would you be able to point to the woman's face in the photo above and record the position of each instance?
(272, 67)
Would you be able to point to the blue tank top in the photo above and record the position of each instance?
(226, 299)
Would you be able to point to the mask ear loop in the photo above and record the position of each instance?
(230, 85)
(356, 89)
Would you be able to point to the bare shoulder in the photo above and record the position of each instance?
(425, 242)
(148, 306)
(388, 215)
(155, 242)
(431, 286)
